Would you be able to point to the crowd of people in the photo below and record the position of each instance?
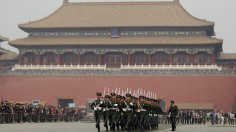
(202, 117)
(11, 112)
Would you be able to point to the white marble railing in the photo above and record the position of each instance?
(104, 67)
(174, 67)
(58, 67)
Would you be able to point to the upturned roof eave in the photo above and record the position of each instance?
(31, 29)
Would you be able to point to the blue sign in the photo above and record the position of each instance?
(114, 32)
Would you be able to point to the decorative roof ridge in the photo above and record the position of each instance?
(22, 25)
(121, 3)
(6, 51)
(3, 38)
(25, 26)
(212, 23)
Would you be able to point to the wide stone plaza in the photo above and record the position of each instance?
(90, 127)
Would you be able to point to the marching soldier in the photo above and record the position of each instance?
(173, 111)
(113, 110)
(129, 111)
(142, 106)
(135, 117)
(106, 113)
(97, 106)
(118, 113)
(122, 107)
(158, 111)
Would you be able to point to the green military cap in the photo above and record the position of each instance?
(135, 98)
(107, 96)
(118, 96)
(128, 95)
(99, 94)
(141, 97)
(113, 94)
(122, 97)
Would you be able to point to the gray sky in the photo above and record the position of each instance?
(14, 12)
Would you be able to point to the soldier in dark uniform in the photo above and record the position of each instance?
(158, 111)
(118, 112)
(129, 111)
(173, 111)
(122, 107)
(97, 106)
(106, 111)
(135, 117)
(142, 106)
(113, 110)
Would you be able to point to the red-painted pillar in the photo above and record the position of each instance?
(59, 59)
(171, 58)
(20, 59)
(150, 58)
(39, 58)
(192, 58)
(99, 59)
(78, 57)
(129, 58)
(213, 58)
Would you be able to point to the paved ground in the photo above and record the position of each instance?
(90, 127)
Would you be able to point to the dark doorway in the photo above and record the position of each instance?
(65, 102)
(114, 61)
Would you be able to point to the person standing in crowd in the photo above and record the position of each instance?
(97, 106)
(173, 111)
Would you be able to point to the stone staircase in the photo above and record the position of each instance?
(88, 118)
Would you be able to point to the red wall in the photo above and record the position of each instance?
(220, 90)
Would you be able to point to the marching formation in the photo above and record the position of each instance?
(126, 112)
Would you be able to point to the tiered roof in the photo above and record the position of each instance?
(183, 40)
(7, 55)
(119, 14)
(227, 56)
(3, 39)
(169, 14)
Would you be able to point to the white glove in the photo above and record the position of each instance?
(116, 105)
(101, 102)
(95, 109)
(131, 104)
(99, 108)
(124, 110)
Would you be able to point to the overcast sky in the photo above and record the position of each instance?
(14, 12)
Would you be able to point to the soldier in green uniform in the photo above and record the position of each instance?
(158, 111)
(135, 117)
(106, 113)
(118, 112)
(122, 107)
(97, 106)
(129, 111)
(142, 106)
(113, 110)
(173, 111)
